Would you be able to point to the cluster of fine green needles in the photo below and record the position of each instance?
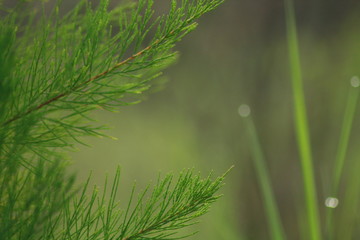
(56, 67)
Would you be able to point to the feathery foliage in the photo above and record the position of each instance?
(55, 69)
(155, 215)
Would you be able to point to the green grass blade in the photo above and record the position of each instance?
(345, 132)
(342, 148)
(272, 211)
(348, 217)
(301, 125)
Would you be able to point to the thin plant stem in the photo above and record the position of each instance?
(98, 76)
(301, 125)
(342, 148)
(349, 206)
(272, 211)
(345, 132)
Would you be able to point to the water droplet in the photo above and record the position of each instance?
(331, 202)
(355, 81)
(244, 110)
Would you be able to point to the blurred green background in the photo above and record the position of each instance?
(238, 54)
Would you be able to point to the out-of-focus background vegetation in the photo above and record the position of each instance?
(238, 54)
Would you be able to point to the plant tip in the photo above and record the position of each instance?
(227, 171)
(355, 81)
(244, 110)
(114, 138)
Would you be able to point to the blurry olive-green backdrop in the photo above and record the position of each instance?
(238, 54)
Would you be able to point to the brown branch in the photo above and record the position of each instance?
(61, 95)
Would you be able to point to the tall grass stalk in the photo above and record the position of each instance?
(272, 211)
(348, 216)
(345, 132)
(301, 125)
(342, 148)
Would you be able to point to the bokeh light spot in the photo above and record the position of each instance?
(331, 202)
(244, 110)
(355, 81)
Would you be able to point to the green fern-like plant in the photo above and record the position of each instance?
(55, 68)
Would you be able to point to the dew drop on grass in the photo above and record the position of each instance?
(244, 110)
(355, 81)
(331, 202)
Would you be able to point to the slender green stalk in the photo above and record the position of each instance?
(342, 148)
(348, 215)
(345, 132)
(302, 130)
(272, 211)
